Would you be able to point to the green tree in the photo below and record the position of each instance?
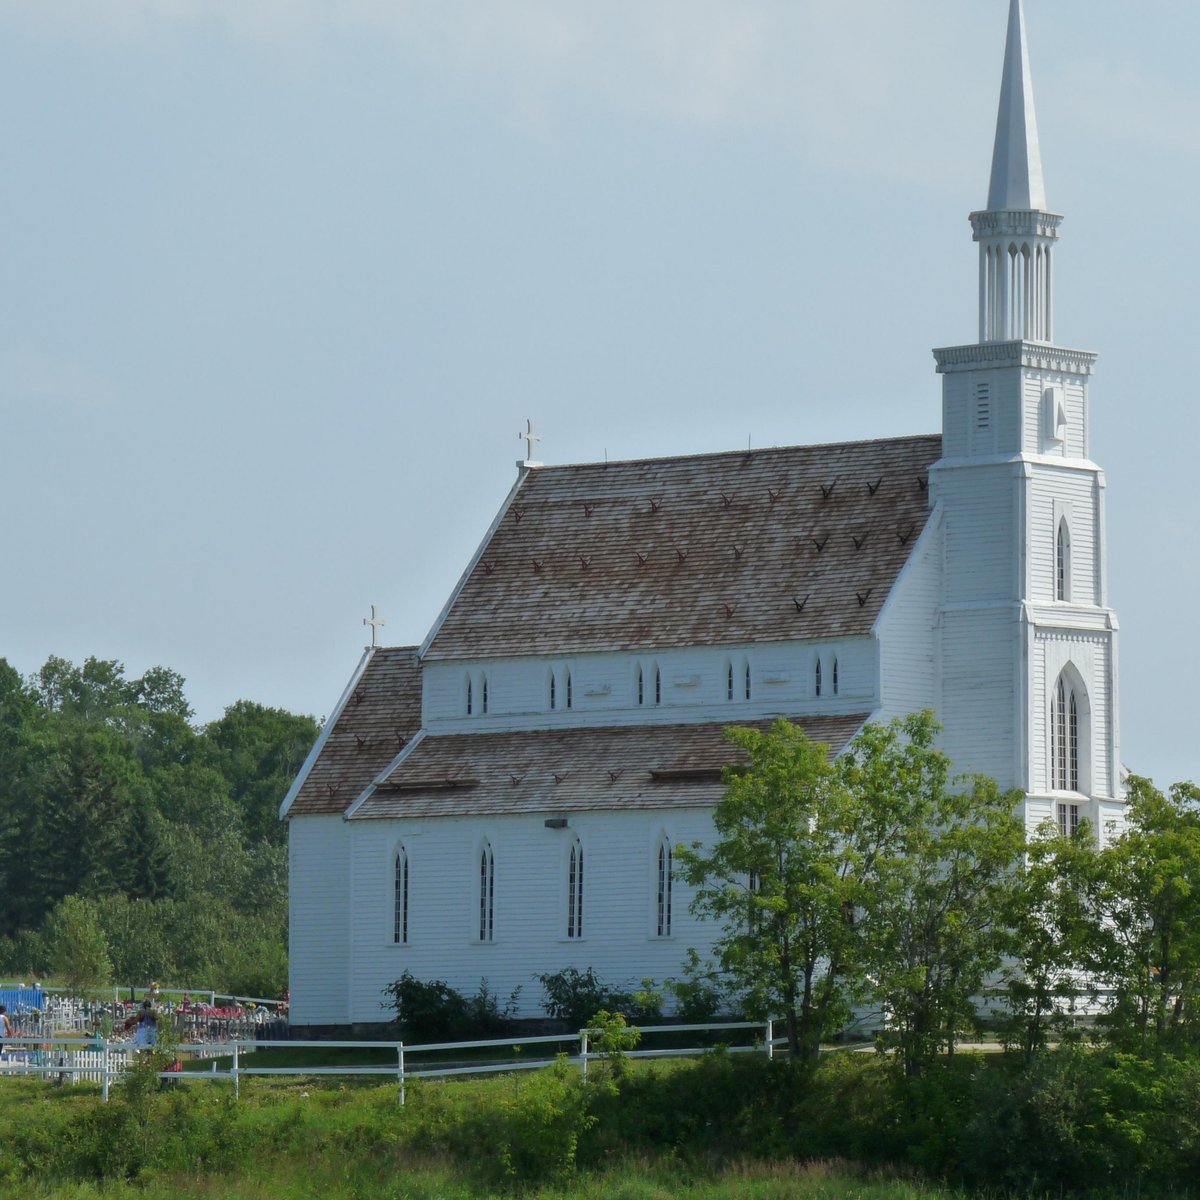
(259, 750)
(937, 866)
(1049, 937)
(780, 881)
(76, 945)
(1142, 892)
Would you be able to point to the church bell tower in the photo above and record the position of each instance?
(1028, 644)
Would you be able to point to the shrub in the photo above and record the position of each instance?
(433, 1011)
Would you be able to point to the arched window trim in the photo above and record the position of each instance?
(487, 892)
(640, 686)
(833, 676)
(657, 685)
(483, 693)
(747, 688)
(552, 685)
(567, 688)
(400, 896)
(817, 677)
(729, 679)
(469, 696)
(575, 890)
(664, 870)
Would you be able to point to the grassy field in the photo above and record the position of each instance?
(720, 1127)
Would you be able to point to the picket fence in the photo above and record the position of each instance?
(104, 1063)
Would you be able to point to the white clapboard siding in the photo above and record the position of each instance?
(530, 935)
(319, 919)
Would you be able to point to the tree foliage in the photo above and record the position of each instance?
(163, 835)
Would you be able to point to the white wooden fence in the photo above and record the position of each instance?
(104, 1063)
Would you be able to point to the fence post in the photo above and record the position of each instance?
(770, 1039)
(104, 1071)
(400, 1068)
(583, 1051)
(234, 1070)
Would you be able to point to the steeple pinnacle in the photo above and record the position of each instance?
(1017, 184)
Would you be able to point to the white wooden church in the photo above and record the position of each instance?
(503, 799)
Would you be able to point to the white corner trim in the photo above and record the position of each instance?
(935, 519)
(327, 729)
(413, 743)
(471, 565)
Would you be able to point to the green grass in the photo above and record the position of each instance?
(283, 1180)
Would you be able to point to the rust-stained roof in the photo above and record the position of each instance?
(569, 770)
(380, 716)
(761, 546)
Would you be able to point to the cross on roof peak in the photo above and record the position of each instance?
(376, 623)
(529, 437)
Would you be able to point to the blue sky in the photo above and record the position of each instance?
(282, 279)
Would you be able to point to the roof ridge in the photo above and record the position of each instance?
(606, 464)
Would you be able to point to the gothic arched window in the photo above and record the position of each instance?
(729, 680)
(400, 898)
(575, 890)
(487, 892)
(470, 704)
(665, 876)
(1062, 562)
(817, 678)
(483, 693)
(746, 680)
(567, 689)
(1064, 737)
(553, 685)
(657, 686)
(641, 685)
(834, 677)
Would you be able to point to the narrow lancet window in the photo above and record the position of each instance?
(569, 697)
(487, 893)
(665, 885)
(483, 693)
(747, 681)
(657, 686)
(817, 679)
(641, 686)
(1064, 738)
(400, 899)
(470, 704)
(1062, 565)
(553, 691)
(834, 677)
(729, 681)
(575, 891)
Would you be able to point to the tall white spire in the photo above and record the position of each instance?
(1017, 184)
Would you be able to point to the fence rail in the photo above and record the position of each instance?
(103, 1062)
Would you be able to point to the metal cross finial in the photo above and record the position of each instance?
(529, 437)
(376, 623)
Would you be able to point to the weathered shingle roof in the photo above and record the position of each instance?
(380, 716)
(796, 542)
(569, 770)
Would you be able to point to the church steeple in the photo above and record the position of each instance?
(1016, 233)
(1017, 184)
